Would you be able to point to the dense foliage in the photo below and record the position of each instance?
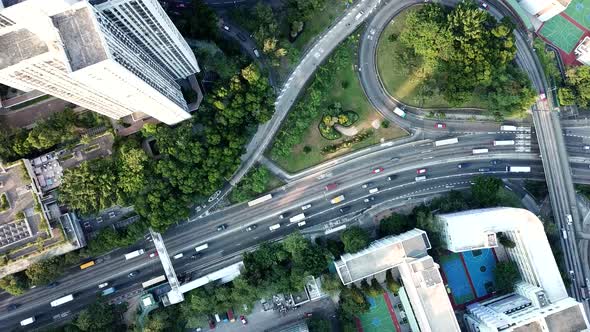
(506, 275)
(195, 158)
(253, 184)
(354, 239)
(578, 80)
(463, 51)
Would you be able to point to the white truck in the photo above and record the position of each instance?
(448, 141)
(297, 218)
(503, 142)
(399, 112)
(202, 247)
(518, 169)
(62, 300)
(480, 151)
(134, 254)
(508, 128)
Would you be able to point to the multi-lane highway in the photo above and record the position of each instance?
(225, 247)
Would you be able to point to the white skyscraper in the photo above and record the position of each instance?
(146, 23)
(69, 49)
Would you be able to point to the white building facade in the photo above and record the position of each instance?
(146, 23)
(70, 50)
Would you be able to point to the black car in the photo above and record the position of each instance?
(53, 284)
(344, 209)
(221, 227)
(462, 165)
(133, 274)
(195, 256)
(241, 37)
(392, 177)
(12, 306)
(485, 169)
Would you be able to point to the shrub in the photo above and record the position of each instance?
(385, 123)
(307, 149)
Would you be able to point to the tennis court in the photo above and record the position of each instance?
(457, 280)
(562, 33)
(378, 317)
(480, 266)
(579, 10)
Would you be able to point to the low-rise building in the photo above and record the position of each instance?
(540, 301)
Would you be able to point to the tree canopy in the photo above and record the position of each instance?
(354, 239)
(506, 275)
(465, 51)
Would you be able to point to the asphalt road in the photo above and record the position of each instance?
(225, 247)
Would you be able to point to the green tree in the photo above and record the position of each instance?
(14, 284)
(99, 316)
(376, 288)
(331, 284)
(506, 275)
(578, 78)
(45, 271)
(566, 96)
(319, 325)
(395, 224)
(354, 239)
(131, 168)
(352, 301)
(485, 190)
(392, 284)
(89, 187)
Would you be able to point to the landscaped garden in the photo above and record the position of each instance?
(333, 117)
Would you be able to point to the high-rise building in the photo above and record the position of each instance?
(544, 9)
(146, 23)
(71, 50)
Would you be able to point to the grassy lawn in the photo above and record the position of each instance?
(403, 85)
(348, 92)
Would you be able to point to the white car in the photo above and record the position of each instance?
(103, 285)
(305, 207)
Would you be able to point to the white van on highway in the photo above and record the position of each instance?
(27, 321)
(373, 190)
(420, 178)
(274, 227)
(178, 256)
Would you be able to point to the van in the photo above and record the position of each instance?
(301, 224)
(420, 178)
(178, 256)
(373, 190)
(256, 53)
(274, 227)
(27, 321)
(217, 319)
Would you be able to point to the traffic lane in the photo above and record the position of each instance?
(267, 235)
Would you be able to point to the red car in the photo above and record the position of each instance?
(421, 171)
(378, 170)
(331, 186)
(243, 320)
(440, 126)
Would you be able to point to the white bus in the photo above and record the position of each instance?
(62, 300)
(446, 142)
(153, 281)
(508, 128)
(399, 112)
(297, 218)
(518, 169)
(503, 142)
(480, 151)
(27, 321)
(134, 254)
(202, 247)
(260, 200)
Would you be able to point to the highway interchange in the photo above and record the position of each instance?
(350, 174)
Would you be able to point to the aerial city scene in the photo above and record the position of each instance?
(295, 165)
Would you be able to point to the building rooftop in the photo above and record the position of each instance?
(382, 255)
(567, 320)
(469, 230)
(19, 45)
(80, 36)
